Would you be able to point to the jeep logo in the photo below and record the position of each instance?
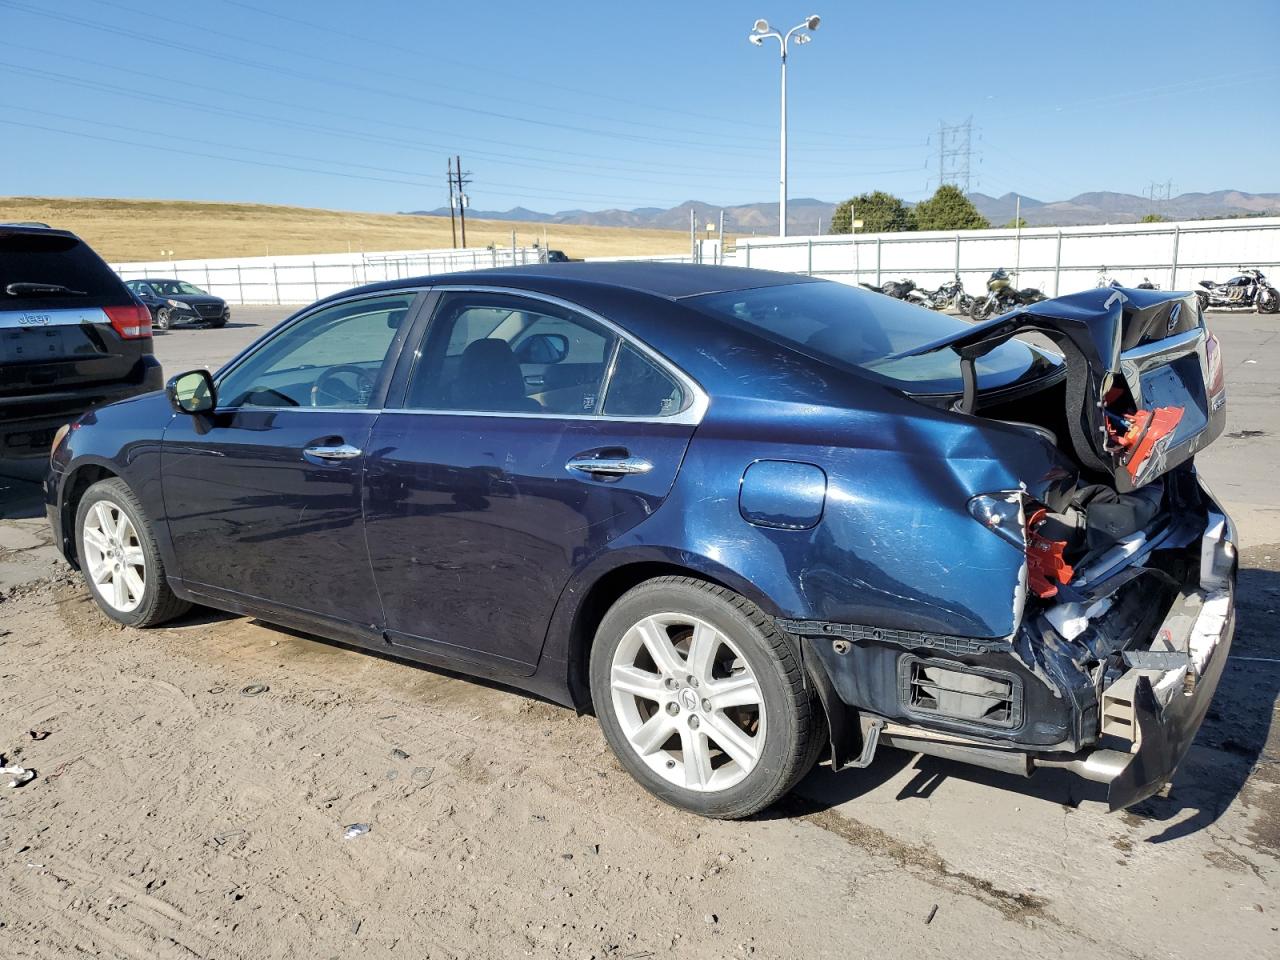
(34, 319)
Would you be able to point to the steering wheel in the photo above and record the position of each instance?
(331, 383)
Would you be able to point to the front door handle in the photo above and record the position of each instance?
(610, 466)
(343, 451)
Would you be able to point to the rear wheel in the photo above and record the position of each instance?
(702, 699)
(119, 558)
(1204, 301)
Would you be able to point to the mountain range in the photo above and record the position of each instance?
(805, 214)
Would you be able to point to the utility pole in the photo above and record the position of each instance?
(460, 181)
(453, 220)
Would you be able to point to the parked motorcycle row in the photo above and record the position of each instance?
(1249, 289)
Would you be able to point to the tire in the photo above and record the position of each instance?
(1268, 301)
(663, 725)
(163, 319)
(99, 518)
(1204, 301)
(980, 309)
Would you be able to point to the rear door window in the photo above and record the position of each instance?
(503, 353)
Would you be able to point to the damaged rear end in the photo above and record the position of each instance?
(1123, 606)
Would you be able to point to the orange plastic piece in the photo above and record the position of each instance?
(1146, 428)
(1044, 560)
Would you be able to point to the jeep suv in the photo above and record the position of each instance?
(71, 336)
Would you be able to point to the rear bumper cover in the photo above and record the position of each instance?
(28, 422)
(1129, 732)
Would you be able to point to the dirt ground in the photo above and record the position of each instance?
(196, 784)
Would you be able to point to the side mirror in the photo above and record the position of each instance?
(192, 392)
(543, 348)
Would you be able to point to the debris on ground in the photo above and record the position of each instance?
(398, 754)
(38, 734)
(355, 830)
(21, 775)
(254, 689)
(932, 913)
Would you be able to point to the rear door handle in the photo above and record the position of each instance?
(343, 451)
(610, 466)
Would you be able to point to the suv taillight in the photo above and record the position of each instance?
(131, 323)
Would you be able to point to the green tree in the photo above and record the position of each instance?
(879, 212)
(948, 209)
(1153, 218)
(1016, 222)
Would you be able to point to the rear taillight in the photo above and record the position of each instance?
(131, 323)
(1018, 519)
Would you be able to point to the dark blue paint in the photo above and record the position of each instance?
(782, 494)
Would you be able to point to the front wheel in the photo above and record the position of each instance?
(702, 699)
(164, 318)
(981, 309)
(119, 558)
(1268, 301)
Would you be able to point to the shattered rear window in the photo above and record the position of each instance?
(841, 324)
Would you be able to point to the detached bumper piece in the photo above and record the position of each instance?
(1154, 709)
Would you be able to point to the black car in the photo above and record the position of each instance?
(176, 301)
(71, 336)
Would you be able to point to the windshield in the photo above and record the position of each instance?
(841, 324)
(175, 288)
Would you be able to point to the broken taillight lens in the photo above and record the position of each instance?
(1006, 515)
(130, 323)
(1001, 513)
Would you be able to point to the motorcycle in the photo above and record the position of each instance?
(950, 294)
(1107, 281)
(898, 289)
(1002, 296)
(1249, 289)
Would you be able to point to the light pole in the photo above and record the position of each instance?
(758, 35)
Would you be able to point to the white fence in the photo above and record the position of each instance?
(1057, 260)
(304, 278)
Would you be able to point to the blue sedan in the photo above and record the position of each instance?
(749, 519)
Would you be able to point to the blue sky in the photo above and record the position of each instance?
(592, 105)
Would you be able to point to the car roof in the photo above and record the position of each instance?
(672, 281)
(34, 227)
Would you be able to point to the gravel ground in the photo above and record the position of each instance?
(177, 813)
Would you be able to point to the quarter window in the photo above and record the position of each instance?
(639, 388)
(332, 358)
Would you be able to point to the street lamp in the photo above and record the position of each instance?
(760, 31)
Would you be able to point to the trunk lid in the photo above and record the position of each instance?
(1144, 386)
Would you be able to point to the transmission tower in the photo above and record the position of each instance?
(1158, 194)
(955, 152)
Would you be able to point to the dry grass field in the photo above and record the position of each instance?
(127, 230)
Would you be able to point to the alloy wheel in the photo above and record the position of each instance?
(113, 556)
(688, 702)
